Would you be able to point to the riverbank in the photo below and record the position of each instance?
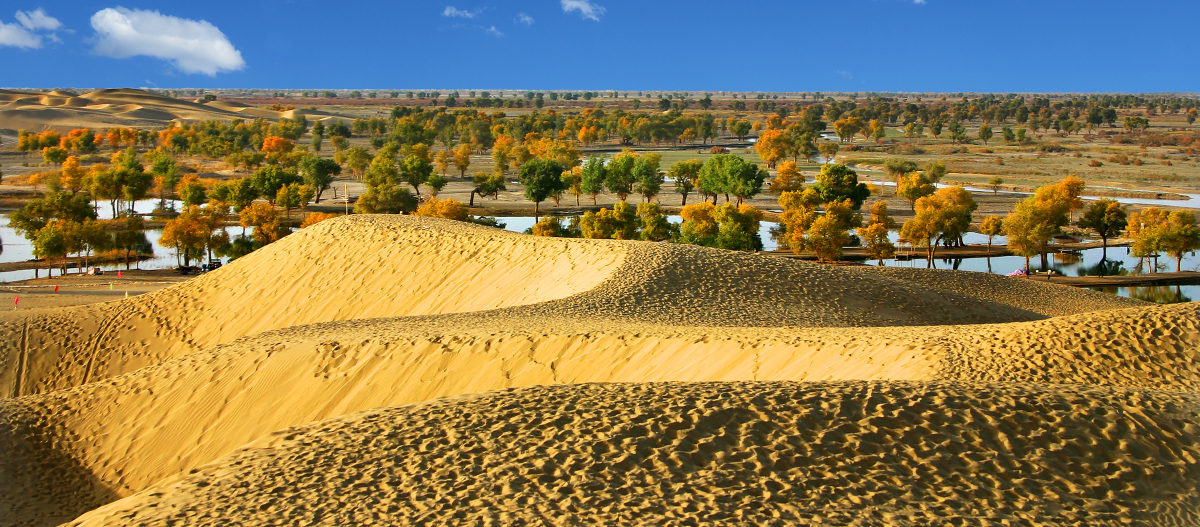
(77, 289)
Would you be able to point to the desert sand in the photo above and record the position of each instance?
(395, 370)
(124, 107)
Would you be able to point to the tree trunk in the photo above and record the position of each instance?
(684, 200)
(472, 203)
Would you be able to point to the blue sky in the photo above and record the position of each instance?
(797, 45)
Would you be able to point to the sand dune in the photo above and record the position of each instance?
(121, 107)
(716, 453)
(990, 398)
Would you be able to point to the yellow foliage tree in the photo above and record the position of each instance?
(443, 208)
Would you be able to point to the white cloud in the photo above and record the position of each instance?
(585, 8)
(494, 32)
(38, 19)
(525, 19)
(17, 36)
(452, 11)
(918, 1)
(191, 46)
(845, 74)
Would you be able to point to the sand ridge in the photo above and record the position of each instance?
(272, 354)
(855, 453)
(100, 109)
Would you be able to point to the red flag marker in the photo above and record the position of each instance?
(118, 274)
(55, 289)
(16, 300)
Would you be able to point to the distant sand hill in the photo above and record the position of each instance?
(384, 370)
(35, 111)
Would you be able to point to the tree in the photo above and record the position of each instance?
(620, 223)
(357, 160)
(71, 175)
(314, 218)
(649, 178)
(462, 159)
(573, 181)
(443, 208)
(619, 176)
(385, 198)
(165, 172)
(50, 242)
(945, 215)
(1032, 224)
(898, 169)
(54, 155)
(729, 174)
(293, 195)
(699, 224)
(876, 243)
(267, 181)
(265, 221)
(992, 226)
(318, 173)
(829, 150)
(191, 191)
(740, 129)
(383, 168)
(186, 234)
(1179, 236)
(655, 226)
(685, 174)
(985, 133)
(875, 130)
(541, 178)
(773, 145)
(594, 176)
(995, 182)
(958, 132)
(787, 177)
(238, 193)
(826, 235)
(935, 171)
(487, 185)
(837, 182)
(879, 214)
(738, 227)
(416, 171)
(914, 187)
(1107, 218)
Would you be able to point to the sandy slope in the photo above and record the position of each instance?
(406, 310)
(121, 107)
(748, 453)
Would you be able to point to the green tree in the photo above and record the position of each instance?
(595, 174)
(267, 181)
(318, 173)
(837, 182)
(541, 179)
(685, 174)
(985, 133)
(935, 171)
(385, 198)
(238, 193)
(487, 185)
(619, 176)
(415, 171)
(1107, 218)
(649, 177)
(191, 191)
(898, 169)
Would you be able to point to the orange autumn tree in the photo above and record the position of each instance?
(276, 144)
